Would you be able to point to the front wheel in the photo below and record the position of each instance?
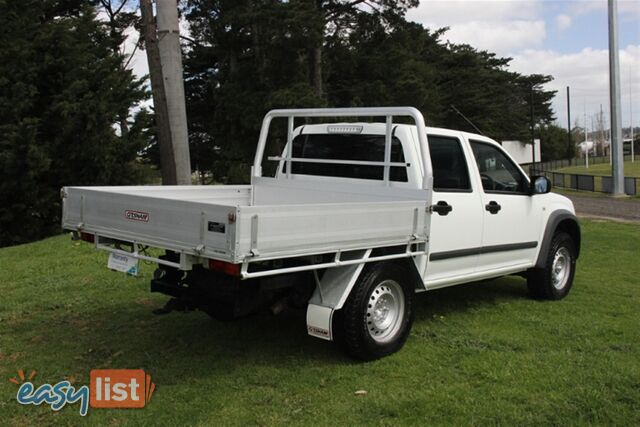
(377, 317)
(554, 280)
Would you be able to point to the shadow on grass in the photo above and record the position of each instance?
(469, 296)
(125, 334)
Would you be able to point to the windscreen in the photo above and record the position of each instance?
(347, 147)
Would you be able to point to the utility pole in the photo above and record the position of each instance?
(569, 145)
(586, 145)
(614, 85)
(603, 134)
(533, 137)
(171, 58)
(595, 141)
(163, 129)
(631, 114)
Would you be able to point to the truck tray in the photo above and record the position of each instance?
(226, 223)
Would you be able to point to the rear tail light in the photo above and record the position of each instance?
(224, 267)
(88, 237)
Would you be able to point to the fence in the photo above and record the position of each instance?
(602, 184)
(553, 165)
(582, 182)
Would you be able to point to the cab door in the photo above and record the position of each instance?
(512, 217)
(456, 219)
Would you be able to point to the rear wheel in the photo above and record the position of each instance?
(377, 317)
(554, 280)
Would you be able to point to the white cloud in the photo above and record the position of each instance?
(517, 29)
(500, 26)
(563, 22)
(449, 12)
(627, 9)
(502, 38)
(587, 73)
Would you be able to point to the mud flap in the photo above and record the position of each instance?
(319, 321)
(330, 295)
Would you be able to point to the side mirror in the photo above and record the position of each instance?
(540, 185)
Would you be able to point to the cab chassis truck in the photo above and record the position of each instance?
(358, 218)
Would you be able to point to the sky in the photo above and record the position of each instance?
(567, 39)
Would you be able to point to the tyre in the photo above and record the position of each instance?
(377, 316)
(554, 280)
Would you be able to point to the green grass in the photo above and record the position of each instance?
(593, 194)
(568, 192)
(603, 169)
(478, 354)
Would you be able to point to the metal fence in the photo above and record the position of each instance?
(602, 184)
(582, 182)
(553, 165)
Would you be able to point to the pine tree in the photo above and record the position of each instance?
(248, 56)
(63, 92)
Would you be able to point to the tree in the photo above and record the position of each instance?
(331, 18)
(406, 64)
(119, 20)
(248, 56)
(63, 93)
(553, 142)
(374, 65)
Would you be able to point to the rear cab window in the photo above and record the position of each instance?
(346, 147)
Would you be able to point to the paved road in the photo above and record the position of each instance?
(607, 207)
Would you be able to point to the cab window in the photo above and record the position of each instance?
(498, 173)
(450, 172)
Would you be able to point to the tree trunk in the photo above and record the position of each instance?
(233, 64)
(163, 130)
(259, 54)
(316, 74)
(124, 126)
(316, 50)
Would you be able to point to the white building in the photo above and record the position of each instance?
(521, 151)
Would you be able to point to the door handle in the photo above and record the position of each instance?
(442, 208)
(493, 207)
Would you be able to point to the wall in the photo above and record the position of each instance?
(521, 151)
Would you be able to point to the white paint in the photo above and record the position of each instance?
(521, 151)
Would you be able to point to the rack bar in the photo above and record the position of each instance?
(336, 162)
(387, 150)
(427, 181)
(289, 145)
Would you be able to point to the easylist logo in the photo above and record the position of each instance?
(120, 388)
(109, 388)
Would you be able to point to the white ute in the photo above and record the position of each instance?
(356, 219)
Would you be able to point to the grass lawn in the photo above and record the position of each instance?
(593, 194)
(604, 169)
(478, 354)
